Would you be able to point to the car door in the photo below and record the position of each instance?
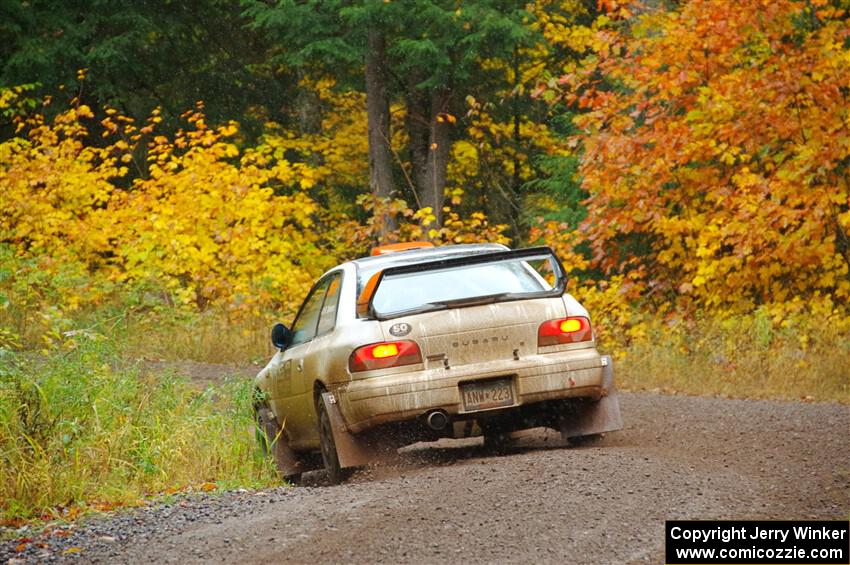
(293, 404)
(313, 364)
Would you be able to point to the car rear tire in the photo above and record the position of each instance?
(498, 442)
(336, 474)
(268, 433)
(578, 441)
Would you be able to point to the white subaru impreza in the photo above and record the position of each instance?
(417, 343)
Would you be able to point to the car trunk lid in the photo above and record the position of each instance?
(473, 334)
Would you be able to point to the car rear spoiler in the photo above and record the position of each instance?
(364, 301)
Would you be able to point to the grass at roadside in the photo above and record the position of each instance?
(747, 358)
(210, 337)
(85, 428)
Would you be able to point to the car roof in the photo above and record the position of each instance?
(367, 266)
(406, 257)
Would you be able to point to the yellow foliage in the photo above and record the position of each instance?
(55, 188)
(208, 222)
(215, 231)
(415, 226)
(192, 219)
(490, 148)
(338, 153)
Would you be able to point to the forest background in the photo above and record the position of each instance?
(174, 175)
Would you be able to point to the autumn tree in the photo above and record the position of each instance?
(527, 165)
(427, 54)
(716, 147)
(433, 75)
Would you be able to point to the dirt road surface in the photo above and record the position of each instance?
(678, 458)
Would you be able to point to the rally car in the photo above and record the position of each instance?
(418, 343)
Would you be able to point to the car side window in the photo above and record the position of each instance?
(304, 327)
(327, 318)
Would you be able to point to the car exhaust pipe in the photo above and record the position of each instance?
(437, 420)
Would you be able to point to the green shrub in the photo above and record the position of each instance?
(81, 427)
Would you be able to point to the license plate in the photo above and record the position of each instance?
(483, 395)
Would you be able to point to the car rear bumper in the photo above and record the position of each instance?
(399, 397)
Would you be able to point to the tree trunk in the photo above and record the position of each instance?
(517, 181)
(432, 186)
(308, 108)
(418, 127)
(378, 117)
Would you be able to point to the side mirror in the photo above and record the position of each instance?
(281, 336)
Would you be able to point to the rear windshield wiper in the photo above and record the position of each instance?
(472, 300)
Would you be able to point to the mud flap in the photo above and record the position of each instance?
(351, 451)
(596, 417)
(287, 462)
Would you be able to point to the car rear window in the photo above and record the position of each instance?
(509, 279)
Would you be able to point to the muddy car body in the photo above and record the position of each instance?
(426, 343)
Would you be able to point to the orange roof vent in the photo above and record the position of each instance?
(394, 247)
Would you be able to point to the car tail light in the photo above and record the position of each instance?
(565, 330)
(384, 355)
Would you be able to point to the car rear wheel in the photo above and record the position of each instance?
(336, 474)
(272, 442)
(578, 441)
(498, 442)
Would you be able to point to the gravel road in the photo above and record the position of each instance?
(679, 457)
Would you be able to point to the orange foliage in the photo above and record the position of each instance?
(716, 144)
